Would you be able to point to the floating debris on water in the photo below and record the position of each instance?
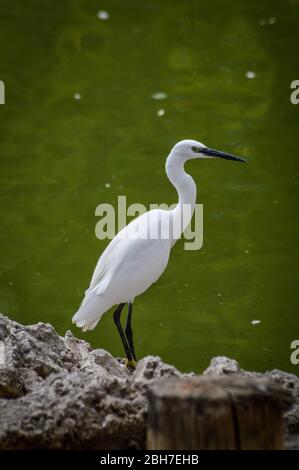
(267, 21)
(255, 322)
(159, 95)
(107, 185)
(272, 20)
(250, 74)
(161, 112)
(103, 15)
(77, 96)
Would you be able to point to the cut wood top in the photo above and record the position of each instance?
(217, 388)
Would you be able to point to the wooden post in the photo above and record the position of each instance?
(223, 412)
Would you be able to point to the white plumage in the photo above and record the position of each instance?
(139, 253)
(127, 267)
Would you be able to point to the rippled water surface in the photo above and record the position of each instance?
(94, 102)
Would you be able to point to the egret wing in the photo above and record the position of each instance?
(103, 263)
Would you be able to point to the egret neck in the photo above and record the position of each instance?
(186, 189)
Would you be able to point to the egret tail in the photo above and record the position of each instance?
(90, 311)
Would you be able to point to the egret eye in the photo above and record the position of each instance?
(195, 149)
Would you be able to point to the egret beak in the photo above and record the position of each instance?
(219, 154)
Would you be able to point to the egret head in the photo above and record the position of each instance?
(191, 149)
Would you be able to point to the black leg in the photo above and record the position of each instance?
(129, 331)
(116, 317)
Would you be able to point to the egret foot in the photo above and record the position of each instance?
(131, 364)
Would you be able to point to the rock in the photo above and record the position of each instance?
(222, 365)
(152, 368)
(58, 393)
(292, 420)
(11, 384)
(68, 396)
(292, 441)
(81, 410)
(103, 361)
(37, 347)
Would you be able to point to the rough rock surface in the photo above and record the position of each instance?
(58, 393)
(224, 365)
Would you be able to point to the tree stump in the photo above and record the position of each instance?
(216, 413)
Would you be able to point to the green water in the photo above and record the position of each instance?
(57, 155)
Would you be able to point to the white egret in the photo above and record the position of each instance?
(139, 253)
